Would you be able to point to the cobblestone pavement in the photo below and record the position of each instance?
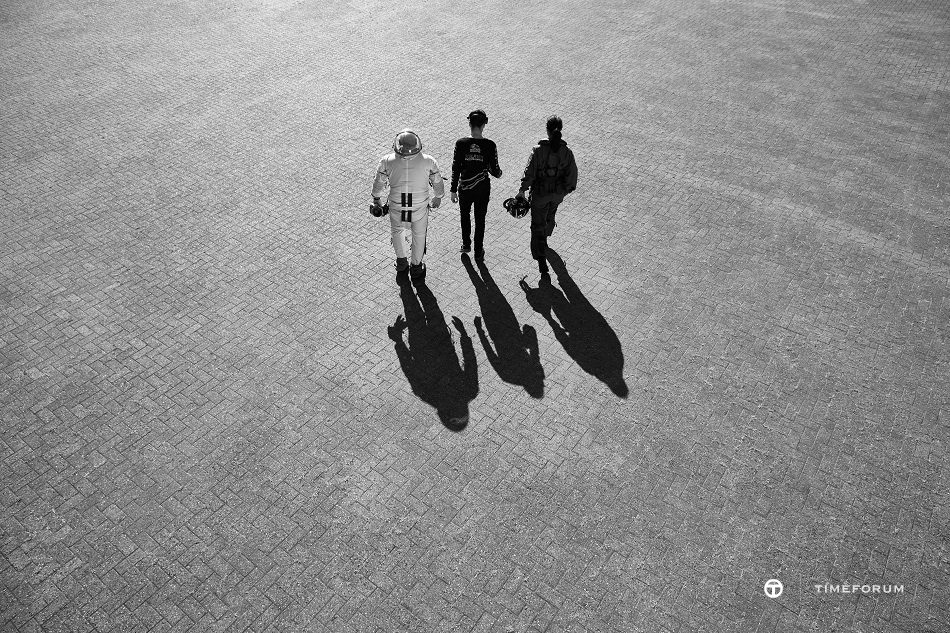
(221, 413)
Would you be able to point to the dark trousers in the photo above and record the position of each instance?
(476, 197)
(543, 209)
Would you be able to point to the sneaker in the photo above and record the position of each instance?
(402, 263)
(417, 270)
(466, 248)
(479, 256)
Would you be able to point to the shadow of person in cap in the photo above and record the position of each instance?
(512, 349)
(578, 326)
(430, 361)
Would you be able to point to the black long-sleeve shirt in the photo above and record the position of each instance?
(473, 160)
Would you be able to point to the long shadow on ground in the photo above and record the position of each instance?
(512, 349)
(580, 328)
(430, 361)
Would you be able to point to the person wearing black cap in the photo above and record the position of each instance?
(550, 175)
(474, 159)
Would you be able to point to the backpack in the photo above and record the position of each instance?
(549, 172)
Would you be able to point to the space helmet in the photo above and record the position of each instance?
(407, 143)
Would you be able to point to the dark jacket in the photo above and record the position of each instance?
(549, 171)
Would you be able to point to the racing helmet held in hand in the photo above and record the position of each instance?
(407, 143)
(518, 207)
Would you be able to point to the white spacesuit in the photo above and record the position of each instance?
(409, 174)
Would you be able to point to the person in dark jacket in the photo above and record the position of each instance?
(550, 175)
(474, 159)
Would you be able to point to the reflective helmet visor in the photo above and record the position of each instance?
(407, 143)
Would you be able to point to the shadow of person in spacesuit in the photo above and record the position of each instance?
(430, 361)
(512, 349)
(578, 326)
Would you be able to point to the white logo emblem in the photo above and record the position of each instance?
(773, 588)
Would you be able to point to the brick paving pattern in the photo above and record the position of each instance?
(221, 413)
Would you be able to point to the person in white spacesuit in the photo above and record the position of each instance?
(409, 174)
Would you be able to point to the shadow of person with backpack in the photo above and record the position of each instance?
(579, 327)
(512, 349)
(429, 359)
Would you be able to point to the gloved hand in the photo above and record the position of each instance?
(520, 194)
